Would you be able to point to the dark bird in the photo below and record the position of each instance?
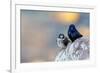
(62, 41)
(73, 33)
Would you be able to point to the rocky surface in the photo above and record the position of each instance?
(78, 50)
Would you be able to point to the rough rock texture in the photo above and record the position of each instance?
(78, 50)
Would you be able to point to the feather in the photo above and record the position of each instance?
(73, 33)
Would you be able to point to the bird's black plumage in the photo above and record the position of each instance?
(65, 41)
(73, 33)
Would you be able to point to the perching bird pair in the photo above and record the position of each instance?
(77, 48)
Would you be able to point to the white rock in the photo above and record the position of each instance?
(63, 54)
(78, 50)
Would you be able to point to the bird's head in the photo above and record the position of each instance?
(62, 41)
(61, 36)
(72, 28)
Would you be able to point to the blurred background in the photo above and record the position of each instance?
(39, 30)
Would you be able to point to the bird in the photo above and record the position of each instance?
(78, 49)
(73, 33)
(62, 41)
